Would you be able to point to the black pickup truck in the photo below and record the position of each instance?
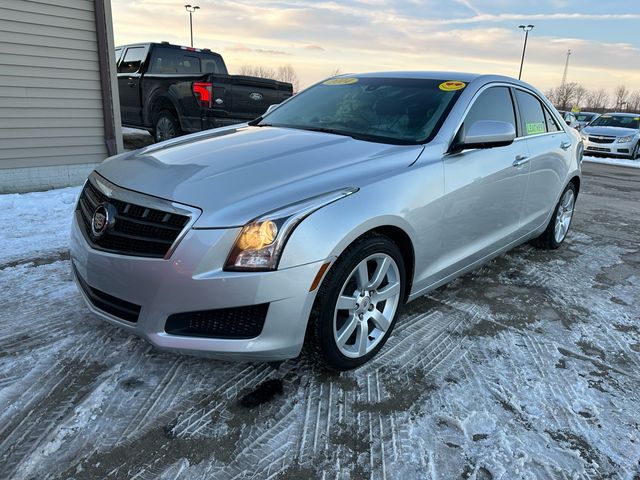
(169, 90)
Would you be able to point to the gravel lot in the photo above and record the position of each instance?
(526, 368)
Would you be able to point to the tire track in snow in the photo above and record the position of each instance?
(44, 406)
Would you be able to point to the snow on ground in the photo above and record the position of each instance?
(623, 162)
(525, 369)
(35, 225)
(135, 138)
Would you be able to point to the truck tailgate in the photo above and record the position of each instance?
(249, 97)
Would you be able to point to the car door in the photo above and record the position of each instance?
(550, 147)
(129, 73)
(484, 188)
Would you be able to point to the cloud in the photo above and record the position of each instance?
(239, 47)
(373, 35)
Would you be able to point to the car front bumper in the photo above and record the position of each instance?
(614, 149)
(193, 280)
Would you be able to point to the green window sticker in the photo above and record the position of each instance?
(534, 128)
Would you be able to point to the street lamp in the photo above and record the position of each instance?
(526, 29)
(191, 9)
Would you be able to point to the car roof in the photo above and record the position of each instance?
(436, 75)
(623, 114)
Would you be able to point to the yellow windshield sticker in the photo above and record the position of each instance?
(533, 128)
(341, 81)
(636, 118)
(606, 116)
(452, 85)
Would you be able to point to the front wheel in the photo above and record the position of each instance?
(560, 221)
(636, 151)
(358, 304)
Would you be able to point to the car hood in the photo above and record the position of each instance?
(236, 174)
(610, 131)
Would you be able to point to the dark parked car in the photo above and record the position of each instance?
(169, 90)
(570, 119)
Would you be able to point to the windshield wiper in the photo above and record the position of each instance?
(255, 121)
(367, 137)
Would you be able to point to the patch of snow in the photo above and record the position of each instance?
(623, 162)
(36, 224)
(134, 131)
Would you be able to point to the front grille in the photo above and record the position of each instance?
(108, 303)
(598, 149)
(602, 139)
(232, 323)
(137, 230)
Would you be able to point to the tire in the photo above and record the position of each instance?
(373, 310)
(636, 152)
(165, 126)
(560, 222)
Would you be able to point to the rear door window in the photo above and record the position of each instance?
(531, 113)
(132, 60)
(552, 124)
(493, 104)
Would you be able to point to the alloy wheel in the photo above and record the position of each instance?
(564, 215)
(366, 306)
(165, 129)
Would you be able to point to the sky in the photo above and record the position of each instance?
(481, 36)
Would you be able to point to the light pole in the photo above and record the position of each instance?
(191, 9)
(526, 29)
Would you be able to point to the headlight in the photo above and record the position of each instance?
(261, 241)
(625, 139)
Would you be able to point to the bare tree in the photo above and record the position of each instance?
(579, 95)
(257, 71)
(335, 72)
(621, 95)
(286, 73)
(563, 97)
(634, 101)
(597, 100)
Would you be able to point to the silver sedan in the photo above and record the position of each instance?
(317, 222)
(613, 134)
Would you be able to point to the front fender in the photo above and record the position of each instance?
(326, 233)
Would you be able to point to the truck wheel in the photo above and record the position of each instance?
(165, 126)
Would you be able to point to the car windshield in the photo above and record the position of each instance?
(584, 117)
(624, 121)
(386, 110)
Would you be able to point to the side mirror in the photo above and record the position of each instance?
(271, 107)
(485, 134)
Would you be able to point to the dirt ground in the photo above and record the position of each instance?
(526, 368)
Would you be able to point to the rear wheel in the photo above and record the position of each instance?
(560, 221)
(358, 304)
(165, 126)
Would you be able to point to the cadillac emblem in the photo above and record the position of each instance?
(100, 220)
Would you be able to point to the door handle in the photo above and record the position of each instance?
(131, 83)
(520, 160)
(565, 145)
